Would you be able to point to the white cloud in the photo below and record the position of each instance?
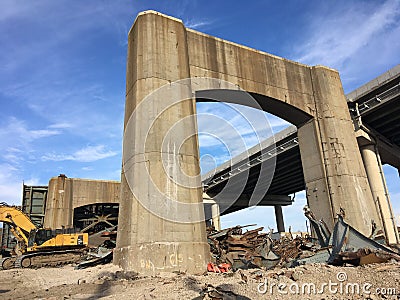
(197, 24)
(10, 188)
(42, 133)
(226, 130)
(87, 168)
(356, 38)
(87, 154)
(61, 125)
(341, 34)
(32, 181)
(16, 132)
(17, 142)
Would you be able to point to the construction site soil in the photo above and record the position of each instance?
(313, 281)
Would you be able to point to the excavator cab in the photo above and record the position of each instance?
(39, 236)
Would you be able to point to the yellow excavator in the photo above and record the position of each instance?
(38, 247)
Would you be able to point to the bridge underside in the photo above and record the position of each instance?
(375, 109)
(288, 177)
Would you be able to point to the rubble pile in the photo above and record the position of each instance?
(234, 248)
(290, 249)
(255, 249)
(242, 250)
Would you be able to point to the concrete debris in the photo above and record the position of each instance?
(102, 254)
(365, 256)
(214, 293)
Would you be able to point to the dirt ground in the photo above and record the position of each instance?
(316, 281)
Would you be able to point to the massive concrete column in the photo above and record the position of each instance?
(215, 211)
(334, 173)
(379, 191)
(147, 242)
(216, 219)
(279, 218)
(59, 210)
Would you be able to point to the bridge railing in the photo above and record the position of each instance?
(371, 103)
(264, 156)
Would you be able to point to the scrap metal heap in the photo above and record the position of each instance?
(242, 250)
(254, 249)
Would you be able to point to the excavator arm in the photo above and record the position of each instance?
(20, 224)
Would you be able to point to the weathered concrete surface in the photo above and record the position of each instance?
(214, 214)
(312, 98)
(379, 191)
(332, 164)
(160, 51)
(147, 242)
(65, 194)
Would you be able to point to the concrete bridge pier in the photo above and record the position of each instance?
(215, 211)
(216, 220)
(160, 52)
(376, 179)
(279, 218)
(333, 168)
(152, 236)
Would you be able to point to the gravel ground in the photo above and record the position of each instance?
(316, 281)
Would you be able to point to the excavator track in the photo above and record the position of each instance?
(7, 263)
(48, 259)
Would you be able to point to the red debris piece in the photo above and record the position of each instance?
(221, 268)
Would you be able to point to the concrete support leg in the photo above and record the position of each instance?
(151, 236)
(279, 218)
(379, 191)
(216, 216)
(333, 170)
(59, 210)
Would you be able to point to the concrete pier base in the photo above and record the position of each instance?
(156, 257)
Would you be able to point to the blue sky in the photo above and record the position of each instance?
(62, 76)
